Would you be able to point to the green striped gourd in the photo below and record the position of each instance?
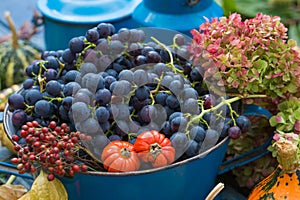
(15, 56)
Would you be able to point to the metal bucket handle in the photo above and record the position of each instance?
(250, 156)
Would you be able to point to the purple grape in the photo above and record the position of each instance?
(92, 35)
(18, 118)
(16, 101)
(76, 45)
(234, 132)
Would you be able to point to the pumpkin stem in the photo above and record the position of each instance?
(12, 27)
(287, 156)
(155, 149)
(125, 152)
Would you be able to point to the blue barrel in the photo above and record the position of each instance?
(65, 19)
(179, 15)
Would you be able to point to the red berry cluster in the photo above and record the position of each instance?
(53, 148)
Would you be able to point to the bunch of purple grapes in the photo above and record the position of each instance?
(115, 85)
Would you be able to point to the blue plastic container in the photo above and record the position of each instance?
(64, 19)
(179, 15)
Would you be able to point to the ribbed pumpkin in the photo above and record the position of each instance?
(284, 181)
(15, 56)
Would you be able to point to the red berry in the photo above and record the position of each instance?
(17, 147)
(52, 124)
(15, 138)
(35, 123)
(25, 127)
(50, 177)
(75, 168)
(45, 129)
(32, 169)
(29, 124)
(37, 144)
(15, 161)
(84, 168)
(32, 157)
(23, 133)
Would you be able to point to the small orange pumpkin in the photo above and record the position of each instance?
(119, 156)
(284, 181)
(155, 148)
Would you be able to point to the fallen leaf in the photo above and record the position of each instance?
(42, 189)
(11, 192)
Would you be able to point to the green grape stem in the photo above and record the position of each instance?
(199, 117)
(171, 64)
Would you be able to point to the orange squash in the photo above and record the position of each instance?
(284, 181)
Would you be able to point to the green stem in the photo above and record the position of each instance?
(224, 102)
(14, 35)
(171, 64)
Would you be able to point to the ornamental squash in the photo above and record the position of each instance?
(15, 56)
(284, 181)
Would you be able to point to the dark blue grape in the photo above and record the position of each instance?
(76, 45)
(178, 124)
(118, 67)
(153, 57)
(63, 114)
(68, 56)
(126, 75)
(197, 133)
(161, 98)
(138, 105)
(108, 80)
(140, 60)
(52, 63)
(32, 96)
(50, 74)
(124, 34)
(166, 129)
(179, 141)
(54, 88)
(72, 76)
(114, 137)
(100, 84)
(71, 88)
(172, 102)
(192, 149)
(105, 30)
(112, 72)
(196, 75)
(87, 67)
(244, 123)
(28, 83)
(142, 93)
(18, 118)
(103, 97)
(29, 71)
(42, 108)
(116, 47)
(92, 35)
(102, 114)
(146, 50)
(16, 101)
(67, 102)
(105, 126)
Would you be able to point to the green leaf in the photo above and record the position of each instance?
(292, 87)
(261, 65)
(228, 6)
(297, 114)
